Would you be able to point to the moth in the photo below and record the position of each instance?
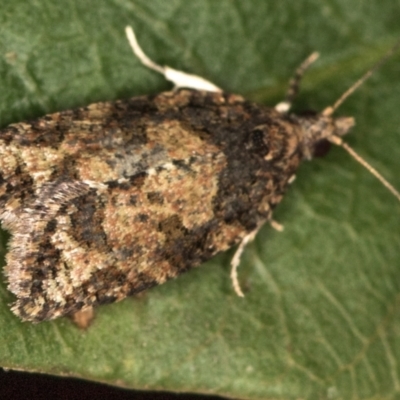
(108, 200)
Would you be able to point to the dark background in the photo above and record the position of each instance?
(22, 385)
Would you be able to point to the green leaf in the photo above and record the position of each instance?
(321, 314)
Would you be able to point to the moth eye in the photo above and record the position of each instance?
(258, 141)
(321, 148)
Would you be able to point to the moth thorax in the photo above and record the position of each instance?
(319, 128)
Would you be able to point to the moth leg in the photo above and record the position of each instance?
(239, 251)
(179, 78)
(276, 225)
(294, 84)
(83, 318)
(236, 261)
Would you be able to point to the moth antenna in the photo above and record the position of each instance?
(294, 84)
(339, 142)
(331, 109)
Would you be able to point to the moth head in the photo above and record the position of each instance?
(325, 127)
(317, 129)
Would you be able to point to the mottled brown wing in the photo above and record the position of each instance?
(105, 201)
